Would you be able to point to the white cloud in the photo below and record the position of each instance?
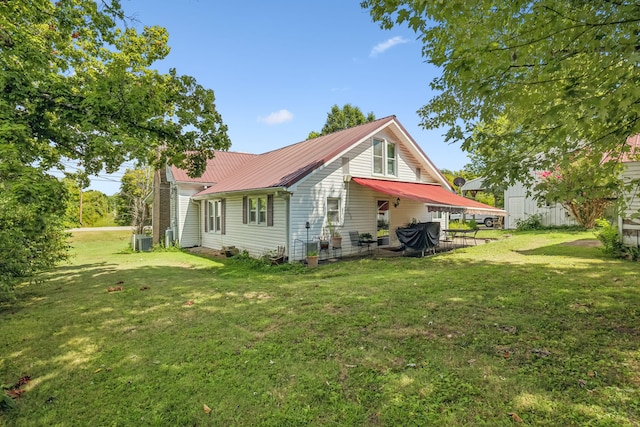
(276, 118)
(384, 46)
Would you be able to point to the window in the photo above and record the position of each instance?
(257, 207)
(257, 210)
(214, 218)
(333, 210)
(384, 157)
(391, 159)
(378, 156)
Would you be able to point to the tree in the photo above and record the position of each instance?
(526, 84)
(76, 83)
(95, 209)
(342, 118)
(132, 209)
(580, 189)
(32, 207)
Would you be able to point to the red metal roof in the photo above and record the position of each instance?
(633, 155)
(222, 165)
(625, 154)
(433, 195)
(286, 166)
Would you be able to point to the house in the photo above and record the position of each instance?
(367, 179)
(520, 205)
(629, 220)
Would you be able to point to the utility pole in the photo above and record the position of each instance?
(80, 206)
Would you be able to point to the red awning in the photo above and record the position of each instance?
(436, 198)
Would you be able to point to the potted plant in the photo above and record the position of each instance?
(365, 236)
(324, 242)
(336, 238)
(312, 259)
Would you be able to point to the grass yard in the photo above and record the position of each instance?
(527, 330)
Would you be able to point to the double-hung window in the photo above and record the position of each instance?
(333, 210)
(215, 216)
(385, 160)
(257, 207)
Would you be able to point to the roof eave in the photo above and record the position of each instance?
(222, 194)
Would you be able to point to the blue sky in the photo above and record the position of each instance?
(277, 67)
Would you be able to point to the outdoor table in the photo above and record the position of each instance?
(368, 242)
(463, 233)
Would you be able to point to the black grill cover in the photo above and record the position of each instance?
(419, 236)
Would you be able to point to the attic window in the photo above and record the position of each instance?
(384, 157)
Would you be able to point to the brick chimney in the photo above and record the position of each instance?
(161, 210)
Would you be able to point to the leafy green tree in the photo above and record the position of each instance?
(72, 211)
(32, 205)
(527, 84)
(136, 184)
(95, 209)
(76, 83)
(580, 189)
(342, 118)
(98, 209)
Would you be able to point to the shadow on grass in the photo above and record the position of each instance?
(575, 249)
(440, 339)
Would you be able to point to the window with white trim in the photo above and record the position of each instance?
(333, 210)
(257, 209)
(385, 157)
(215, 216)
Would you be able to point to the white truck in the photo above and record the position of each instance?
(487, 220)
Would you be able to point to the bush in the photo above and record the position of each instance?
(610, 237)
(468, 225)
(532, 222)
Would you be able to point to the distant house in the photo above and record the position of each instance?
(520, 206)
(366, 179)
(629, 220)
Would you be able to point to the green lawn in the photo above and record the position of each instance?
(527, 325)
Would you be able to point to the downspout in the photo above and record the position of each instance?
(199, 205)
(287, 204)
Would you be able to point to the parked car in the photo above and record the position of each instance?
(487, 220)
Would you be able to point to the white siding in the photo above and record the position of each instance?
(306, 202)
(188, 215)
(255, 239)
(521, 206)
(361, 161)
(358, 204)
(630, 227)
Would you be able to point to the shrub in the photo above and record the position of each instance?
(457, 225)
(532, 222)
(610, 237)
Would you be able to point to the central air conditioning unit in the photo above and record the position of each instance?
(168, 237)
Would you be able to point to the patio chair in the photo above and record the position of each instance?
(354, 236)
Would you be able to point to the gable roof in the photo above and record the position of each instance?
(288, 165)
(222, 165)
